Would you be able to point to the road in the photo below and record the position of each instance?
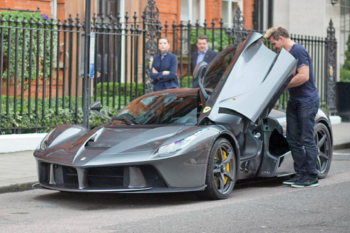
(254, 206)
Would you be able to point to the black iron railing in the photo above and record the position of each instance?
(41, 63)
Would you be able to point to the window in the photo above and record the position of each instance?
(344, 28)
(106, 7)
(192, 10)
(228, 11)
(53, 5)
(263, 14)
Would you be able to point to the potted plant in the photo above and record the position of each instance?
(343, 88)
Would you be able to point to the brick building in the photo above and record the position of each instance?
(170, 11)
(192, 10)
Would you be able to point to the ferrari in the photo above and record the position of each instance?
(188, 139)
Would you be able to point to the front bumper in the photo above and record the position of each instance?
(126, 179)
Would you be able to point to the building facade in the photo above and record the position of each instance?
(312, 18)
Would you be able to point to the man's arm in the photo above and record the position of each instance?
(301, 78)
(155, 75)
(171, 74)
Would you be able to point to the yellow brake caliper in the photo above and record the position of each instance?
(224, 156)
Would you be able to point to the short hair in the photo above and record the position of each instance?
(276, 32)
(202, 37)
(164, 38)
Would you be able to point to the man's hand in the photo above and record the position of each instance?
(166, 72)
(301, 78)
(154, 71)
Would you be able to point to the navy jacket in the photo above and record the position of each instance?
(160, 81)
(209, 55)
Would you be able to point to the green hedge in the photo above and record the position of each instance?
(51, 119)
(23, 45)
(109, 89)
(185, 80)
(64, 115)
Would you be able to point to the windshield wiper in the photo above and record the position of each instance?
(126, 118)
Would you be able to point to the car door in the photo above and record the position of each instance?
(251, 84)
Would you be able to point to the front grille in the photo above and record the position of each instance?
(70, 176)
(63, 176)
(105, 177)
(44, 172)
(117, 177)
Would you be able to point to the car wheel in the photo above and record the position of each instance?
(325, 150)
(221, 170)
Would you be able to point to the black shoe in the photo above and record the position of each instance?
(306, 181)
(292, 180)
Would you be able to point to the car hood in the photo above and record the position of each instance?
(252, 83)
(108, 144)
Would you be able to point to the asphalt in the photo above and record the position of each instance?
(18, 170)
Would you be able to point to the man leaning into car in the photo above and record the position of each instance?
(302, 107)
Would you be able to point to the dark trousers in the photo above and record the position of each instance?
(300, 136)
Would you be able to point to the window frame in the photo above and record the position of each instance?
(230, 13)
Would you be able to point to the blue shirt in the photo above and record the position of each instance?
(306, 92)
(201, 56)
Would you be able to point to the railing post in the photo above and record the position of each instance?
(331, 67)
(86, 82)
(151, 20)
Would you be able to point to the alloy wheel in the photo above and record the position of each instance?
(223, 169)
(325, 150)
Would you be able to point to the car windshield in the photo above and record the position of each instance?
(160, 108)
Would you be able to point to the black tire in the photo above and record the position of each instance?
(325, 149)
(221, 171)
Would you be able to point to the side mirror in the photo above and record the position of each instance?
(198, 74)
(96, 106)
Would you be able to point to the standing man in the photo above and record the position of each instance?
(203, 54)
(164, 68)
(302, 107)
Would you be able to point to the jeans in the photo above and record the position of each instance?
(300, 136)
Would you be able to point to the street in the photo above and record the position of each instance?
(254, 206)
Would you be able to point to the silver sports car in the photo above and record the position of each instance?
(201, 139)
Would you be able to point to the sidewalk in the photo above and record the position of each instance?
(18, 170)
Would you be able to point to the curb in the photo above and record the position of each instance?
(17, 187)
(345, 145)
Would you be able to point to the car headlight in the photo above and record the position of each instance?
(44, 143)
(178, 145)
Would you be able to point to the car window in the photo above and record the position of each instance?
(218, 68)
(162, 109)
